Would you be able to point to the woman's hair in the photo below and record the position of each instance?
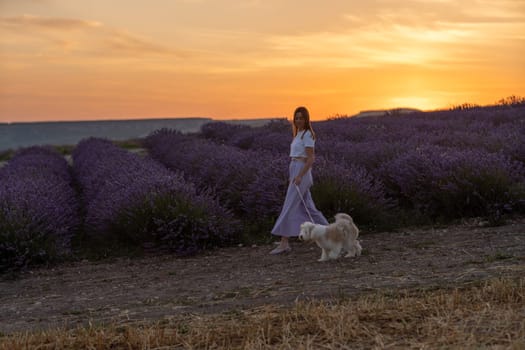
(307, 126)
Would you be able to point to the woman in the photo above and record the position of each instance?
(298, 205)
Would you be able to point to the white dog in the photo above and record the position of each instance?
(333, 238)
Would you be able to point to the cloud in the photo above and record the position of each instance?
(437, 35)
(36, 22)
(60, 37)
(364, 48)
(119, 42)
(430, 33)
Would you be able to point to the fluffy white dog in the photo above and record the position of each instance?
(333, 238)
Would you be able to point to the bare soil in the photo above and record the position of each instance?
(225, 280)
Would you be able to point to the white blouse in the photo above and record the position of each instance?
(302, 140)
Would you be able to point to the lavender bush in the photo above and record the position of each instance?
(443, 164)
(138, 201)
(272, 137)
(353, 190)
(238, 177)
(221, 132)
(439, 181)
(221, 169)
(263, 197)
(39, 209)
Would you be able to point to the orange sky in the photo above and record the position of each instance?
(224, 59)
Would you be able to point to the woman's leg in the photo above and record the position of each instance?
(283, 247)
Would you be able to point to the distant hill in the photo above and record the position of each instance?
(386, 112)
(15, 135)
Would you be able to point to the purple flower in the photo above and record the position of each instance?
(139, 201)
(39, 209)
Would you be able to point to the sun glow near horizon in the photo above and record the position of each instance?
(63, 60)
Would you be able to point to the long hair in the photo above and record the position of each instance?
(307, 125)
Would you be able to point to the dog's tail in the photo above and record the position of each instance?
(343, 216)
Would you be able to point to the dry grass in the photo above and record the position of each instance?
(487, 315)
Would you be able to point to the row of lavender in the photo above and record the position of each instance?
(249, 183)
(135, 200)
(444, 164)
(111, 197)
(39, 208)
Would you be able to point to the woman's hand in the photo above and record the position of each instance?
(297, 180)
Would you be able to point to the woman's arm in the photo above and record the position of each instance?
(310, 157)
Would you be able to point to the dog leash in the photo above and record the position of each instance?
(302, 200)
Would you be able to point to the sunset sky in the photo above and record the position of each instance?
(235, 59)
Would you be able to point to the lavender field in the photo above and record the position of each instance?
(225, 184)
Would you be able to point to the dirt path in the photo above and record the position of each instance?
(154, 288)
